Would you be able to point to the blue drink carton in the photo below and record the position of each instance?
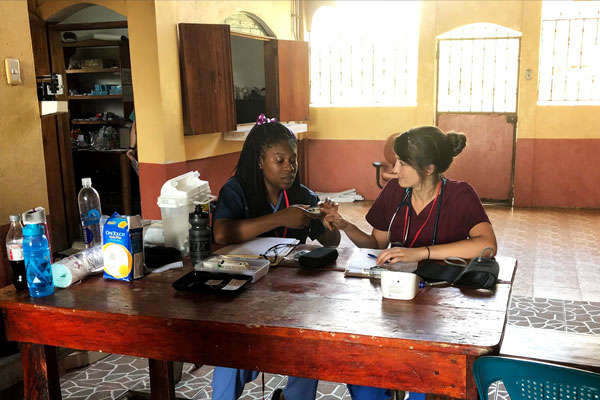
(123, 247)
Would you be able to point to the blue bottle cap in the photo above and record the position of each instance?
(33, 230)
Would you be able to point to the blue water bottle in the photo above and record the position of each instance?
(37, 261)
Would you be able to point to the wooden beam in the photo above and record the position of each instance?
(88, 26)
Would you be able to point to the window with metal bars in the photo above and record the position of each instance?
(365, 54)
(478, 69)
(247, 23)
(569, 70)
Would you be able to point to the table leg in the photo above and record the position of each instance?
(125, 183)
(162, 382)
(40, 372)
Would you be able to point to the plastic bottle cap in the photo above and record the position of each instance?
(86, 182)
(33, 230)
(35, 216)
(15, 218)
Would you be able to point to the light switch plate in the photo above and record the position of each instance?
(13, 71)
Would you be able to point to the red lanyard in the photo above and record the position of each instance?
(429, 215)
(287, 204)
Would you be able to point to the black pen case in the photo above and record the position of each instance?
(212, 282)
(318, 258)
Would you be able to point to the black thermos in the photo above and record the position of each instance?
(200, 237)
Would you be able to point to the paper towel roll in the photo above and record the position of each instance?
(76, 267)
(64, 276)
(107, 36)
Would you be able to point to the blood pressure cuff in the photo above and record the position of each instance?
(480, 273)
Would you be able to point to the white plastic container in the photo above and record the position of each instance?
(399, 285)
(177, 200)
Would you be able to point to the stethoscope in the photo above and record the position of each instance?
(406, 202)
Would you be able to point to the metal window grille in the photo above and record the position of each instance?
(358, 67)
(478, 69)
(243, 23)
(569, 69)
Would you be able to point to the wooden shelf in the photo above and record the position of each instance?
(97, 122)
(92, 70)
(94, 43)
(104, 97)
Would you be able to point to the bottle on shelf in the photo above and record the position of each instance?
(90, 212)
(36, 254)
(14, 250)
(200, 235)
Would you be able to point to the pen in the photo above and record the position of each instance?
(375, 257)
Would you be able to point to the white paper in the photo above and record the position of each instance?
(361, 260)
(258, 246)
(176, 264)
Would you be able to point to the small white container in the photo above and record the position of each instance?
(178, 197)
(399, 285)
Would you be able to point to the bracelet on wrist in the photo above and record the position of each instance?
(428, 252)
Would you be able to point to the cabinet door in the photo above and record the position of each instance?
(286, 79)
(206, 78)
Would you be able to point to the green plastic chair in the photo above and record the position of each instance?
(530, 380)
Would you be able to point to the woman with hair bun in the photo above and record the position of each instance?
(422, 214)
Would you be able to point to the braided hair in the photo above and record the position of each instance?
(426, 145)
(248, 171)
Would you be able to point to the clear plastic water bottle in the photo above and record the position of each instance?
(14, 250)
(200, 235)
(90, 212)
(37, 261)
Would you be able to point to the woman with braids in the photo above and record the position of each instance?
(265, 198)
(420, 213)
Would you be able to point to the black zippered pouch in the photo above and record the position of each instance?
(318, 258)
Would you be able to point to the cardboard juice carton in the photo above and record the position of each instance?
(123, 247)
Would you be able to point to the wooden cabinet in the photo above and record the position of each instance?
(209, 90)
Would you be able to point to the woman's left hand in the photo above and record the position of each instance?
(402, 254)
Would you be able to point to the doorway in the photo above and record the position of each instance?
(477, 85)
(89, 48)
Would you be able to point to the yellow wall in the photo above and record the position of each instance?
(22, 169)
(156, 72)
(157, 88)
(155, 67)
(437, 18)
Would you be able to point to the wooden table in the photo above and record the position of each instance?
(311, 323)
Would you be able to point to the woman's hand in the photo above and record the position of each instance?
(402, 254)
(296, 216)
(131, 154)
(334, 220)
(328, 207)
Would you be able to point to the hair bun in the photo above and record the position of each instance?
(457, 142)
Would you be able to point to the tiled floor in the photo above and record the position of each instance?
(556, 287)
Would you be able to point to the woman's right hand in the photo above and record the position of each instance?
(296, 216)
